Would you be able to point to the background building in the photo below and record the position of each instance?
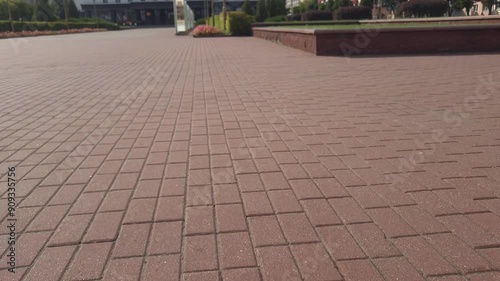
(141, 12)
(231, 5)
(150, 12)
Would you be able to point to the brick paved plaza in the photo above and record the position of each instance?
(140, 155)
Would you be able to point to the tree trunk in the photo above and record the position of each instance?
(65, 7)
(205, 12)
(96, 17)
(10, 16)
(224, 13)
(213, 16)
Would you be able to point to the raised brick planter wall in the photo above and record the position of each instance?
(411, 40)
(304, 40)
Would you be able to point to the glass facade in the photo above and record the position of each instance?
(184, 17)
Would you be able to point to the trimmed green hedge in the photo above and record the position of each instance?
(239, 24)
(276, 19)
(33, 25)
(23, 25)
(221, 21)
(217, 19)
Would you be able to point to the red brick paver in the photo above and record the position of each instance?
(140, 155)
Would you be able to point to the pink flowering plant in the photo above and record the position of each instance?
(28, 33)
(205, 30)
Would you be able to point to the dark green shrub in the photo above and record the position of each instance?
(421, 8)
(102, 24)
(239, 24)
(200, 22)
(295, 17)
(261, 13)
(42, 11)
(307, 5)
(24, 25)
(109, 26)
(281, 7)
(366, 3)
(316, 15)
(272, 8)
(341, 3)
(5, 26)
(247, 8)
(73, 10)
(18, 9)
(58, 8)
(60, 25)
(329, 5)
(352, 13)
(86, 20)
(276, 19)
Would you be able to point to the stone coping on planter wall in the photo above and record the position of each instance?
(469, 19)
(387, 40)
